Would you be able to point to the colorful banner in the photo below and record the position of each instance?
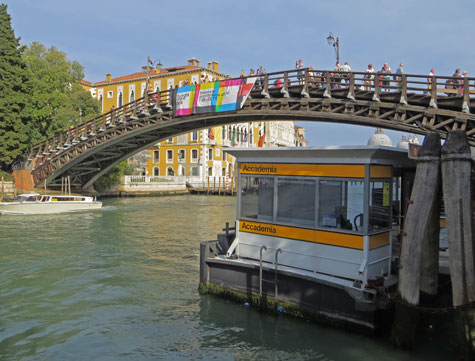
(183, 100)
(219, 96)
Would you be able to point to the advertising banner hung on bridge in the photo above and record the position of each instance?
(218, 96)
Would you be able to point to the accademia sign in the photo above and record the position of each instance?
(258, 228)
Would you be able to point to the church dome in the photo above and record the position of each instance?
(379, 138)
(403, 143)
(415, 140)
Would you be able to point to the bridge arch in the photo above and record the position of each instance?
(93, 148)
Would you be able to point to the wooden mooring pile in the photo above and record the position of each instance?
(446, 170)
(221, 186)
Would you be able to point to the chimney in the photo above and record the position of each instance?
(108, 77)
(158, 68)
(215, 65)
(210, 65)
(194, 62)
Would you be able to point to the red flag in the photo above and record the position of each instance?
(261, 140)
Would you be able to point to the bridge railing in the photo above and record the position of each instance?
(111, 119)
(362, 81)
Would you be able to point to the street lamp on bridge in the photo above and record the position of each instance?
(335, 44)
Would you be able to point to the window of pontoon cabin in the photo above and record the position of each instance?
(379, 205)
(296, 200)
(340, 204)
(324, 203)
(257, 197)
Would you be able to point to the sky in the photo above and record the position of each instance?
(117, 36)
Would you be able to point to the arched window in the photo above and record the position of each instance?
(181, 156)
(156, 156)
(132, 96)
(195, 172)
(170, 172)
(210, 171)
(156, 171)
(119, 100)
(223, 172)
(210, 153)
(169, 156)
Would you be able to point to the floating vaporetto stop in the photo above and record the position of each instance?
(314, 232)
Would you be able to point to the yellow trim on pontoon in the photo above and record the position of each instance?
(380, 171)
(303, 234)
(314, 235)
(315, 170)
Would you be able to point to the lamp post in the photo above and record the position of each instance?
(335, 44)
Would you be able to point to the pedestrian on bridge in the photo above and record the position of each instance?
(346, 68)
(312, 79)
(368, 78)
(336, 80)
(261, 74)
(113, 115)
(455, 83)
(299, 65)
(385, 77)
(398, 78)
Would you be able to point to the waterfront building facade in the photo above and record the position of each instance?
(199, 155)
(115, 92)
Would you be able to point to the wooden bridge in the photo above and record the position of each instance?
(410, 103)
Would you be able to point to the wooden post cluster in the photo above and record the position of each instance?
(451, 166)
(420, 239)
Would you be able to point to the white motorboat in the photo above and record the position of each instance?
(35, 203)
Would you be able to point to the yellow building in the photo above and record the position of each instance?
(125, 89)
(197, 155)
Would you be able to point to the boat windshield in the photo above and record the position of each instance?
(28, 197)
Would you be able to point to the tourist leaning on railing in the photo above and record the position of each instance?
(369, 77)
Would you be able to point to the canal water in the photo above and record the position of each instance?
(121, 284)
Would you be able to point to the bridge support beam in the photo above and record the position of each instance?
(403, 99)
(377, 76)
(327, 92)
